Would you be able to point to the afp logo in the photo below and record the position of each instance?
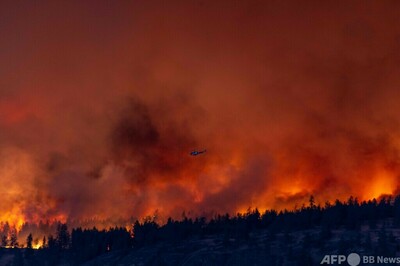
(353, 259)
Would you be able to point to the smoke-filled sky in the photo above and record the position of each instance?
(102, 101)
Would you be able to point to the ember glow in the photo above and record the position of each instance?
(102, 102)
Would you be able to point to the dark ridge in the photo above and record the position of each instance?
(290, 237)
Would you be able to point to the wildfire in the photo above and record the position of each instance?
(15, 218)
(37, 245)
(382, 184)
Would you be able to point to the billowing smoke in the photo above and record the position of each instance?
(101, 104)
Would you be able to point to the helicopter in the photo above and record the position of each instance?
(195, 152)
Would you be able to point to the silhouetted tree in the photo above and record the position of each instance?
(146, 233)
(4, 241)
(271, 229)
(44, 242)
(63, 237)
(311, 201)
(29, 241)
(13, 239)
(29, 251)
(52, 244)
(52, 252)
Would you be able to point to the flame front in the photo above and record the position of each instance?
(16, 218)
(98, 115)
(37, 245)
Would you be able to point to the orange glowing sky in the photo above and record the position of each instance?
(101, 103)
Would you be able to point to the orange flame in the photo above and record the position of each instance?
(15, 218)
(382, 184)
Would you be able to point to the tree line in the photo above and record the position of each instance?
(79, 244)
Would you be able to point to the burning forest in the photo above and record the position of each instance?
(103, 106)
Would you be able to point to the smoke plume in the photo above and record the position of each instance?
(101, 104)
